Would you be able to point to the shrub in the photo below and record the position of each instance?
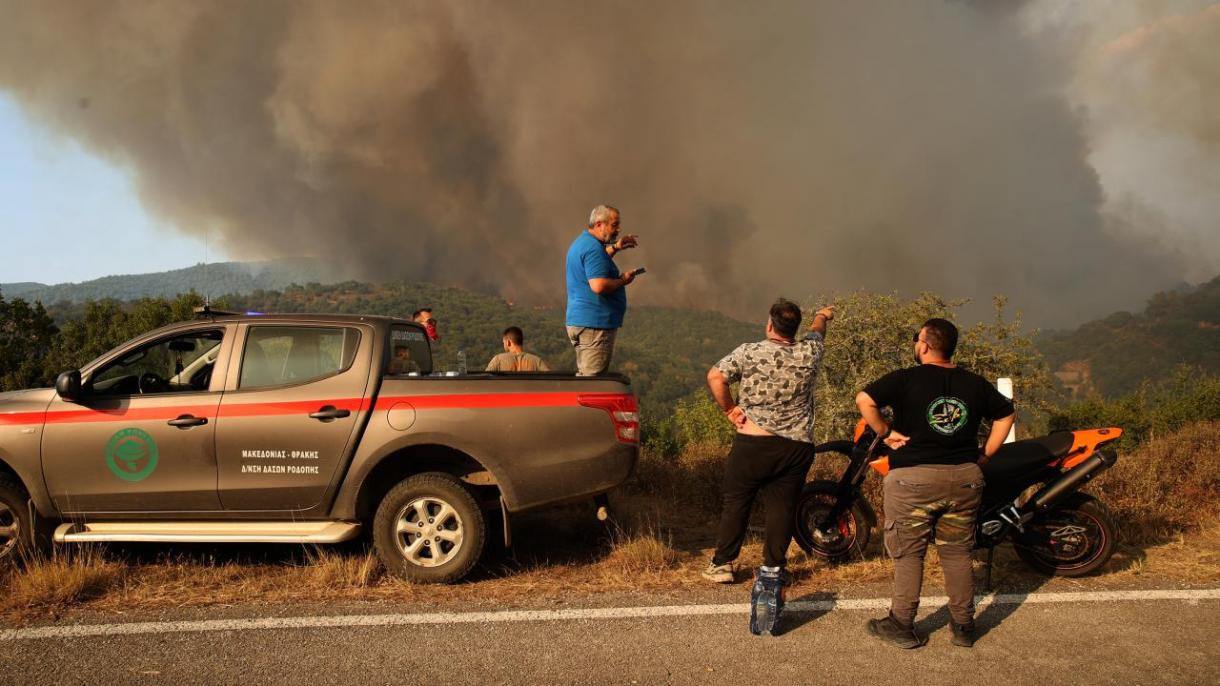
(1167, 486)
(1156, 409)
(691, 477)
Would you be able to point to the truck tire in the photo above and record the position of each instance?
(429, 529)
(19, 537)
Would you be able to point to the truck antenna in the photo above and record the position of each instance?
(207, 293)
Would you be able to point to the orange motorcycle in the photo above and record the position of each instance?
(1032, 498)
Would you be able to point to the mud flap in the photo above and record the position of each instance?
(508, 529)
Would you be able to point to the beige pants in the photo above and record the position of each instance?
(594, 347)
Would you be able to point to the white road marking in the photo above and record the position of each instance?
(328, 622)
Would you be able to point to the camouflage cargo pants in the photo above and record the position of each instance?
(925, 503)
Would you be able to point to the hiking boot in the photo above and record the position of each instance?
(826, 538)
(891, 631)
(721, 574)
(963, 634)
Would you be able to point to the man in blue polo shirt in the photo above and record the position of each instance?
(597, 295)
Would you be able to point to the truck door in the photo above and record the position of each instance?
(288, 417)
(142, 436)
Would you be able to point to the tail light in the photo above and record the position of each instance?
(623, 412)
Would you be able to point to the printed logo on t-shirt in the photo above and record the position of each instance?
(946, 415)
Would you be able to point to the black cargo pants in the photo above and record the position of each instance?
(776, 467)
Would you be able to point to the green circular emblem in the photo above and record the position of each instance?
(946, 415)
(131, 454)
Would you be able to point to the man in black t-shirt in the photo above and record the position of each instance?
(934, 486)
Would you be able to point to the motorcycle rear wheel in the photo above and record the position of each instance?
(817, 498)
(1075, 538)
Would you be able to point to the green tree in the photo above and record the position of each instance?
(1155, 409)
(105, 324)
(26, 334)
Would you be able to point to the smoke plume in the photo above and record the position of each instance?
(757, 148)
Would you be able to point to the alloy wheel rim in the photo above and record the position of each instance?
(428, 532)
(10, 530)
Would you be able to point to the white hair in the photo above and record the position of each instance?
(601, 213)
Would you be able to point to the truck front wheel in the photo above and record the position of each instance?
(19, 536)
(429, 529)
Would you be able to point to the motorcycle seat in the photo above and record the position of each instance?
(1027, 455)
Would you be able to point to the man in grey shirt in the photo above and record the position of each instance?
(773, 448)
(514, 358)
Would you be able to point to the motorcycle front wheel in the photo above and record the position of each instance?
(854, 529)
(1075, 538)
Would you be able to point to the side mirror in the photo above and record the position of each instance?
(68, 385)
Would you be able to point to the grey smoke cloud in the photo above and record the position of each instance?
(802, 147)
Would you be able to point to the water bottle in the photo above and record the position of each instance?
(767, 601)
(461, 363)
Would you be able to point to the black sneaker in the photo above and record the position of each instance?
(963, 634)
(889, 630)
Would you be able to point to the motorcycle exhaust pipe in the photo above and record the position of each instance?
(1069, 482)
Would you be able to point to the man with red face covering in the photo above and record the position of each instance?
(424, 316)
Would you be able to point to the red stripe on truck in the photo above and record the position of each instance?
(468, 401)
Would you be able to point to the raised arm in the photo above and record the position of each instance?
(820, 319)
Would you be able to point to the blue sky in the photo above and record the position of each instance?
(66, 215)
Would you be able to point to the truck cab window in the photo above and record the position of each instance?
(181, 364)
(408, 352)
(282, 355)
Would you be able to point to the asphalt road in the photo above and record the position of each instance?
(1107, 642)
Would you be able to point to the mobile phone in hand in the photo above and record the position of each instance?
(638, 270)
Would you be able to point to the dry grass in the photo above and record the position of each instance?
(643, 551)
(330, 568)
(1168, 486)
(66, 578)
(691, 477)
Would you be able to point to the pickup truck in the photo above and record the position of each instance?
(303, 429)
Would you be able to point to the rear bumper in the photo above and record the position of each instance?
(574, 480)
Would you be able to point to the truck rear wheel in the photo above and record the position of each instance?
(429, 529)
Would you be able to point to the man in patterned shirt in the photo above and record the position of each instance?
(773, 448)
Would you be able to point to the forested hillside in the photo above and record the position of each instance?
(214, 279)
(1114, 355)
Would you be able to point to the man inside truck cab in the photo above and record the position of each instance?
(401, 362)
